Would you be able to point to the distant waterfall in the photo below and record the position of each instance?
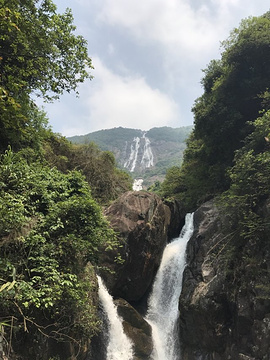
(140, 154)
(147, 158)
(134, 149)
(119, 346)
(137, 185)
(162, 311)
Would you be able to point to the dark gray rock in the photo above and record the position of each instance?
(225, 300)
(177, 218)
(142, 220)
(137, 329)
(203, 306)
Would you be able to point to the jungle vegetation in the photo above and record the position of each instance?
(227, 159)
(231, 121)
(51, 192)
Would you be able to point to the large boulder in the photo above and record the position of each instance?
(178, 215)
(142, 220)
(225, 300)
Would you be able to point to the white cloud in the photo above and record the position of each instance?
(111, 49)
(112, 100)
(187, 32)
(179, 37)
(170, 22)
(127, 101)
(193, 27)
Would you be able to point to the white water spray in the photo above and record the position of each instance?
(163, 311)
(119, 346)
(137, 184)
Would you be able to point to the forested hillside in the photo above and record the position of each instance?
(166, 144)
(51, 227)
(230, 140)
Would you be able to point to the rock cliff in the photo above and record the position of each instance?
(142, 221)
(225, 300)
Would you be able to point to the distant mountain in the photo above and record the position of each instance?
(145, 154)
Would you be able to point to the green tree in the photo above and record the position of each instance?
(232, 88)
(235, 93)
(51, 231)
(39, 50)
(250, 182)
(39, 53)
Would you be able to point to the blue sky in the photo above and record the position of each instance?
(148, 57)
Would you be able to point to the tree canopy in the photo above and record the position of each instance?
(52, 228)
(39, 49)
(235, 93)
(39, 54)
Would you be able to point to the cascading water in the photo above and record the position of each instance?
(140, 154)
(119, 346)
(134, 148)
(162, 311)
(148, 157)
(137, 184)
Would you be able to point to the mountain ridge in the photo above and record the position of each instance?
(145, 154)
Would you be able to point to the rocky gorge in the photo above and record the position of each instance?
(224, 304)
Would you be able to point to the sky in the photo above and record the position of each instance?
(148, 57)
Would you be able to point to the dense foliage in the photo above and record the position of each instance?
(235, 93)
(250, 183)
(51, 231)
(39, 53)
(106, 180)
(51, 228)
(228, 158)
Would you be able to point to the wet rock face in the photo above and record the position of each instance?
(225, 300)
(137, 329)
(203, 306)
(177, 218)
(142, 220)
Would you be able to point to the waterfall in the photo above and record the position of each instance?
(148, 157)
(137, 184)
(140, 154)
(163, 311)
(119, 346)
(134, 148)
